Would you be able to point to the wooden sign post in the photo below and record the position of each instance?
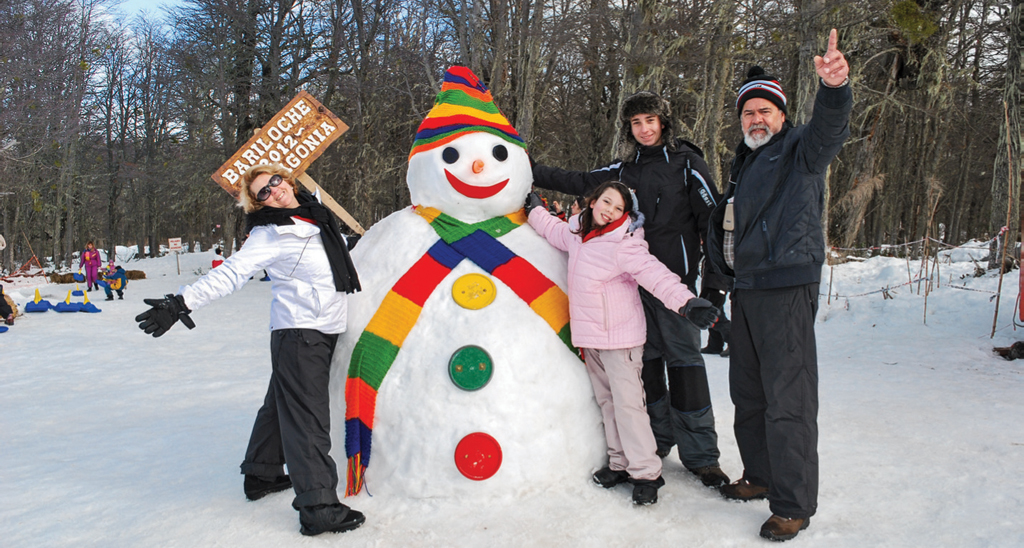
(174, 244)
(294, 137)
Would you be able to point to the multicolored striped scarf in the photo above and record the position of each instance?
(379, 344)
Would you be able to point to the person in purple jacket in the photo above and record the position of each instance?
(608, 257)
(90, 259)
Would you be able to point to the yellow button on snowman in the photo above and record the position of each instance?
(457, 270)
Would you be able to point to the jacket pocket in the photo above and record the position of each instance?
(605, 312)
(308, 297)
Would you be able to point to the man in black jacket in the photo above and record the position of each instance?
(767, 235)
(676, 197)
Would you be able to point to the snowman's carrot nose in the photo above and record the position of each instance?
(478, 166)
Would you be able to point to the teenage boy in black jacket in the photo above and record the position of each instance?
(676, 197)
(767, 235)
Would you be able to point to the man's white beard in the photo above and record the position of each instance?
(754, 142)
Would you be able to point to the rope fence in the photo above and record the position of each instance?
(885, 247)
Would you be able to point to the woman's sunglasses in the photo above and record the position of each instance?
(264, 193)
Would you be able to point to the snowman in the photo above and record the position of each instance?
(457, 372)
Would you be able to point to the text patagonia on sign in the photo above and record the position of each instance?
(294, 137)
(279, 146)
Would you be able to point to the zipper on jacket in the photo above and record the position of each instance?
(301, 253)
(686, 260)
(767, 240)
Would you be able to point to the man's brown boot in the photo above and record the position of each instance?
(710, 476)
(780, 528)
(743, 490)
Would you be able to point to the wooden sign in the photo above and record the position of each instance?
(294, 137)
(174, 244)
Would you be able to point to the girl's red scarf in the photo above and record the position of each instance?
(601, 230)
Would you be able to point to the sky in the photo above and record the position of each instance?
(113, 438)
(153, 7)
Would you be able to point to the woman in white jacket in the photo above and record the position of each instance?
(296, 239)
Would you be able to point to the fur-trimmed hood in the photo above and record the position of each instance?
(644, 102)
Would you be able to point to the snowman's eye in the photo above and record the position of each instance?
(450, 155)
(500, 153)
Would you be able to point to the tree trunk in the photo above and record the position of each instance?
(812, 29)
(717, 78)
(1006, 174)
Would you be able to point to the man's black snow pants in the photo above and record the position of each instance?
(773, 381)
(294, 424)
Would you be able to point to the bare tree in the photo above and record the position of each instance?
(1006, 173)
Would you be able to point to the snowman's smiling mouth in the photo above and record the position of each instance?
(470, 191)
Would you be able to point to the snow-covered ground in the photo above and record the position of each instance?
(109, 437)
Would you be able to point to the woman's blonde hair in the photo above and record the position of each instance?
(246, 199)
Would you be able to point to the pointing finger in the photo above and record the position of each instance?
(833, 41)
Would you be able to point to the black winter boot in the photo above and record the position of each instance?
(257, 487)
(109, 298)
(716, 343)
(646, 491)
(608, 478)
(332, 518)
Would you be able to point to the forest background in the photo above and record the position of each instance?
(110, 126)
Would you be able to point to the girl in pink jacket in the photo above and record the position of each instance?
(606, 262)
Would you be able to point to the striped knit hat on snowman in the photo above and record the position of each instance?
(464, 105)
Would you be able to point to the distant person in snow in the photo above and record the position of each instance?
(91, 262)
(767, 235)
(218, 258)
(114, 279)
(577, 205)
(6, 310)
(296, 239)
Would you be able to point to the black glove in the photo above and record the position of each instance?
(533, 200)
(700, 312)
(165, 312)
